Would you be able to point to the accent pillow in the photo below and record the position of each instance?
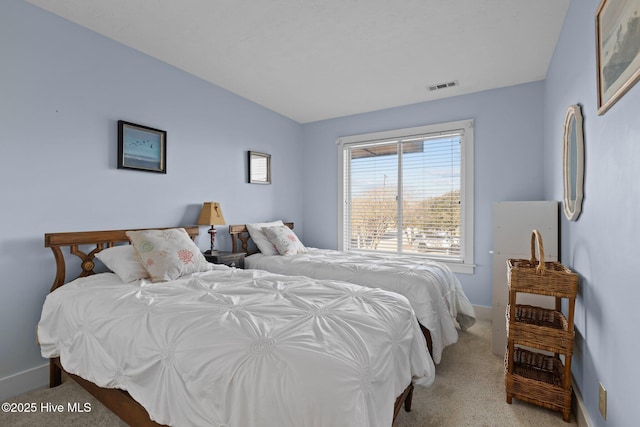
(167, 254)
(284, 239)
(124, 261)
(259, 238)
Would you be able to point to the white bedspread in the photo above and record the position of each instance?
(431, 288)
(243, 348)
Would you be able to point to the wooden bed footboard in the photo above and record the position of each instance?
(119, 401)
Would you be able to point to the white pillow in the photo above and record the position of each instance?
(167, 254)
(124, 261)
(261, 241)
(284, 239)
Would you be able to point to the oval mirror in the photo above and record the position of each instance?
(573, 162)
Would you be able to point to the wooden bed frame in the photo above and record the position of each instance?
(119, 401)
(240, 238)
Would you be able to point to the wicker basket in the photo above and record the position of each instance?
(534, 377)
(540, 328)
(538, 379)
(540, 277)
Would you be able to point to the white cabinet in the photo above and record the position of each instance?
(512, 226)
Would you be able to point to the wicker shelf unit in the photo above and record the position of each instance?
(530, 374)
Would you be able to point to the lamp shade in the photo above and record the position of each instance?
(211, 214)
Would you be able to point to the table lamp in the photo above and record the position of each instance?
(211, 214)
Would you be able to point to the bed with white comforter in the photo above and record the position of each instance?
(231, 347)
(432, 289)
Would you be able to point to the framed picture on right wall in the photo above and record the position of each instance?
(617, 49)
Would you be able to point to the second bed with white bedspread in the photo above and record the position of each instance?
(432, 289)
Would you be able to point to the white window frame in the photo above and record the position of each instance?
(466, 266)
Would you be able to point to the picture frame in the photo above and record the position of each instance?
(259, 167)
(617, 50)
(141, 148)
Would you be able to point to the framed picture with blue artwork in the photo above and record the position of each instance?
(141, 148)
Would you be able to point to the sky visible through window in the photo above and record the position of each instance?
(431, 172)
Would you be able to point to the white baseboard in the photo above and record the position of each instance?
(579, 409)
(24, 382)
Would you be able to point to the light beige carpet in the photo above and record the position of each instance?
(468, 391)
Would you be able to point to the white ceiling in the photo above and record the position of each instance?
(311, 60)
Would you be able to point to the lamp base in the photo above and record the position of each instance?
(212, 232)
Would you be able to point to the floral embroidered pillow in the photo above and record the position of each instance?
(284, 239)
(167, 254)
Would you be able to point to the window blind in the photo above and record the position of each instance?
(404, 195)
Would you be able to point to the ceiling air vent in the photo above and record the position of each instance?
(440, 86)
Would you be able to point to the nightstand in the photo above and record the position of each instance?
(227, 258)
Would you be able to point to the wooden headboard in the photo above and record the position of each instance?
(100, 239)
(240, 234)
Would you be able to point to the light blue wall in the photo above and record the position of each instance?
(602, 246)
(62, 90)
(508, 162)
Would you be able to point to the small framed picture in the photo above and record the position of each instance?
(259, 168)
(141, 148)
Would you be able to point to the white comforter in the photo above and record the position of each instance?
(233, 347)
(431, 288)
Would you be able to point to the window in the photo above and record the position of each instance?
(409, 191)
